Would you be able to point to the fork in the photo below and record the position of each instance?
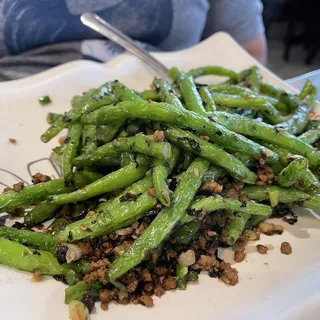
(99, 25)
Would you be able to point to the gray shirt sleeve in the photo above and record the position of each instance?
(242, 19)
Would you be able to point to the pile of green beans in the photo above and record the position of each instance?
(121, 143)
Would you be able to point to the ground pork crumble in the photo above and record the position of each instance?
(158, 274)
(151, 279)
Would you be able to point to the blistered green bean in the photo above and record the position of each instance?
(70, 150)
(115, 180)
(139, 143)
(160, 173)
(207, 99)
(211, 152)
(213, 70)
(91, 101)
(163, 224)
(164, 112)
(265, 132)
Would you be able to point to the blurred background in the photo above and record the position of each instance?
(293, 35)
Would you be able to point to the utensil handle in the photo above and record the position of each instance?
(104, 28)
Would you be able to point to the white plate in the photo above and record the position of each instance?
(272, 286)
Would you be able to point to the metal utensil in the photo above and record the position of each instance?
(104, 28)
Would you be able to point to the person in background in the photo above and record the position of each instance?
(37, 35)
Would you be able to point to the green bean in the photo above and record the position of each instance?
(126, 158)
(191, 96)
(56, 155)
(254, 79)
(164, 223)
(89, 102)
(254, 221)
(133, 128)
(82, 266)
(75, 292)
(237, 96)
(218, 202)
(150, 95)
(246, 160)
(187, 158)
(95, 289)
(306, 178)
(89, 138)
(115, 217)
(160, 173)
(139, 143)
(314, 124)
(15, 255)
(239, 91)
(80, 208)
(59, 224)
(70, 150)
(232, 100)
(297, 122)
(40, 213)
(256, 102)
(291, 100)
(280, 106)
(207, 99)
(311, 136)
(44, 100)
(312, 97)
(82, 178)
(31, 194)
(271, 90)
(293, 172)
(123, 93)
(235, 227)
(186, 233)
(136, 188)
(107, 132)
(175, 74)
(309, 181)
(115, 180)
(181, 274)
(166, 93)
(166, 113)
(284, 155)
(211, 152)
(76, 100)
(192, 276)
(52, 117)
(230, 89)
(142, 160)
(214, 173)
(306, 90)
(58, 150)
(41, 240)
(213, 70)
(46, 210)
(265, 132)
(302, 199)
(242, 76)
(248, 113)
